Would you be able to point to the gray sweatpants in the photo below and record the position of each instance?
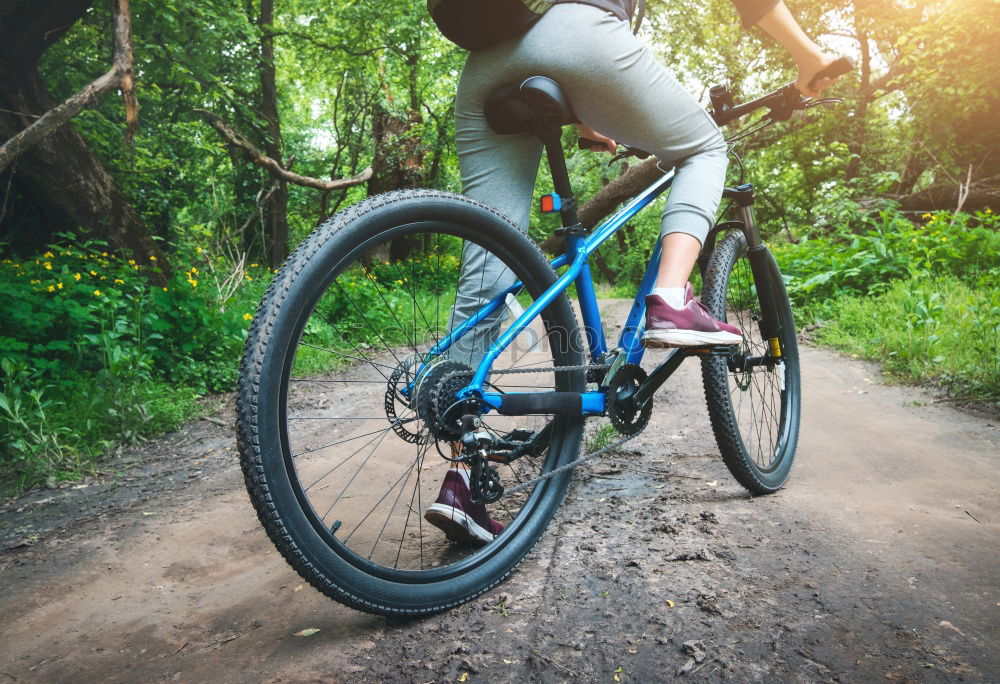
(616, 87)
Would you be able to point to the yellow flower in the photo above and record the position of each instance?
(119, 281)
(35, 282)
(247, 317)
(52, 288)
(104, 253)
(131, 262)
(152, 258)
(194, 270)
(48, 255)
(253, 265)
(927, 216)
(97, 293)
(988, 210)
(194, 283)
(58, 286)
(198, 250)
(944, 239)
(247, 277)
(164, 289)
(48, 265)
(76, 276)
(93, 273)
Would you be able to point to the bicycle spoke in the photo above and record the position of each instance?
(368, 322)
(353, 453)
(370, 485)
(392, 313)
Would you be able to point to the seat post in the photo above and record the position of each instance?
(560, 176)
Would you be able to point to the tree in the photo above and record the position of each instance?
(61, 180)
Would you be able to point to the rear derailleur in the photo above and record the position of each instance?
(481, 448)
(477, 443)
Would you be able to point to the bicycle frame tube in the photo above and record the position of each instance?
(577, 252)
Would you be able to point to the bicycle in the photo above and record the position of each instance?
(351, 387)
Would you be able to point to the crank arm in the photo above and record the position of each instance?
(670, 364)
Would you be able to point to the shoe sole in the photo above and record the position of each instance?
(457, 525)
(688, 338)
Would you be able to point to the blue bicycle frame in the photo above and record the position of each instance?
(578, 250)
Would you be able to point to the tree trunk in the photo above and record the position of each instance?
(61, 178)
(400, 152)
(276, 209)
(856, 145)
(984, 193)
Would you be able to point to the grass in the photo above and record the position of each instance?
(935, 331)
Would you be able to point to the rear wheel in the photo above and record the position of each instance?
(345, 399)
(753, 395)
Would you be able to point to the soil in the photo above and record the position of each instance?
(878, 561)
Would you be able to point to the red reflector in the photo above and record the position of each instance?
(547, 204)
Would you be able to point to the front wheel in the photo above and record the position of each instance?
(753, 394)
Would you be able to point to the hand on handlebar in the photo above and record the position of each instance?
(818, 73)
(592, 140)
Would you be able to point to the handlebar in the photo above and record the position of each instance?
(782, 102)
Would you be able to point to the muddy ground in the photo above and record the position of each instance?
(878, 561)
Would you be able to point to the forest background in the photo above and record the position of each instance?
(135, 242)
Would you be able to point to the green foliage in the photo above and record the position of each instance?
(95, 356)
(36, 445)
(865, 255)
(923, 299)
(928, 330)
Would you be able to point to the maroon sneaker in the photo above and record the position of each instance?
(690, 326)
(455, 513)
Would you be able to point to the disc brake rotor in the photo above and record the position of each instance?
(401, 379)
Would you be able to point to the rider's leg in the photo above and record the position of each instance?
(680, 251)
(499, 171)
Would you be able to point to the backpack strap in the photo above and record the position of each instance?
(640, 12)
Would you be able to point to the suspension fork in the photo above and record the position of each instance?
(761, 264)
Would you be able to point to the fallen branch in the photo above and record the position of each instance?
(119, 76)
(234, 137)
(608, 198)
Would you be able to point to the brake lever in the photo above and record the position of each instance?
(817, 101)
(629, 152)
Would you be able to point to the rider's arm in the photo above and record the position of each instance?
(809, 58)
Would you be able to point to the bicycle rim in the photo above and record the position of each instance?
(364, 396)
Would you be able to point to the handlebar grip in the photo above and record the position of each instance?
(838, 67)
(588, 144)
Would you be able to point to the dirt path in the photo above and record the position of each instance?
(878, 561)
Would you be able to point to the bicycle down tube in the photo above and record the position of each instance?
(576, 257)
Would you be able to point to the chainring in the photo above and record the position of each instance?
(627, 419)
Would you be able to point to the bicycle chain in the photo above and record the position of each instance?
(567, 466)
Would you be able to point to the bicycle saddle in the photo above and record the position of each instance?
(536, 105)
